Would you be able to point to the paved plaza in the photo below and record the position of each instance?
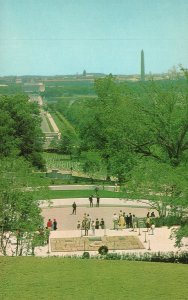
(67, 232)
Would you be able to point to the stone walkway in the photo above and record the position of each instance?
(61, 210)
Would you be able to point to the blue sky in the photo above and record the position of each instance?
(50, 37)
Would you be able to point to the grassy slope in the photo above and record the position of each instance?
(59, 123)
(58, 278)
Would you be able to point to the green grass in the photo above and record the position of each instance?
(58, 122)
(65, 122)
(49, 194)
(67, 279)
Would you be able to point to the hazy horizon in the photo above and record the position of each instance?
(60, 37)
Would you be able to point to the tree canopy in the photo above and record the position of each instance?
(140, 133)
(20, 214)
(20, 129)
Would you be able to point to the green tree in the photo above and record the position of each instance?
(20, 214)
(99, 129)
(158, 124)
(143, 136)
(20, 129)
(160, 183)
(69, 143)
(92, 164)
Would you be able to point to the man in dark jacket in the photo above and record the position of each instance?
(74, 208)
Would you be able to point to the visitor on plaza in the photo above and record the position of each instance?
(97, 223)
(91, 200)
(74, 208)
(148, 223)
(102, 223)
(127, 221)
(98, 200)
(115, 220)
(85, 225)
(78, 225)
(54, 225)
(89, 220)
(93, 227)
(49, 224)
(121, 222)
(130, 220)
(135, 222)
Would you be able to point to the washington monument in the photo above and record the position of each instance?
(142, 66)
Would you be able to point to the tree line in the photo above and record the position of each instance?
(20, 154)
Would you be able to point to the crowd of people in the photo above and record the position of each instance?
(120, 221)
(88, 224)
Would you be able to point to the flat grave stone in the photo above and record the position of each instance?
(93, 243)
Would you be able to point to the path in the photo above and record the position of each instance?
(82, 187)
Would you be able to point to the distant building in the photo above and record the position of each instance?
(18, 80)
(33, 87)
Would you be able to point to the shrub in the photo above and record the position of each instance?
(103, 250)
(167, 221)
(85, 255)
(183, 258)
(113, 256)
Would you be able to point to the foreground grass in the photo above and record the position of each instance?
(44, 278)
(49, 194)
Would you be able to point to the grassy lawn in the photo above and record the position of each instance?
(41, 195)
(58, 278)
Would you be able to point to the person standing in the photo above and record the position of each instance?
(115, 221)
(148, 223)
(91, 200)
(97, 224)
(54, 225)
(49, 224)
(78, 225)
(89, 221)
(93, 227)
(130, 220)
(98, 200)
(85, 225)
(121, 222)
(135, 221)
(127, 221)
(102, 223)
(74, 208)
